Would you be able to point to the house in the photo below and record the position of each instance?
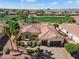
(11, 12)
(76, 18)
(49, 36)
(32, 13)
(45, 32)
(71, 30)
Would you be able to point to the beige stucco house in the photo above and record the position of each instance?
(45, 32)
(71, 30)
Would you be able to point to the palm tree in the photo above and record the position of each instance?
(23, 14)
(6, 30)
(12, 29)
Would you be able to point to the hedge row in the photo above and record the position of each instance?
(71, 48)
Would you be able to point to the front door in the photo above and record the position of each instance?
(44, 42)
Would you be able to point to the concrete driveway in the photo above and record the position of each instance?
(58, 52)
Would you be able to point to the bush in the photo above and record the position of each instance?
(1, 49)
(34, 43)
(26, 57)
(22, 44)
(29, 51)
(1, 52)
(39, 51)
(7, 51)
(14, 58)
(71, 48)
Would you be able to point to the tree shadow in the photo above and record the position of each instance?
(45, 55)
(3, 41)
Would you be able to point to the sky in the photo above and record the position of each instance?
(39, 4)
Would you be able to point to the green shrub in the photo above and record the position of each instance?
(26, 57)
(39, 51)
(0, 49)
(34, 43)
(22, 44)
(7, 51)
(29, 51)
(71, 48)
(13, 58)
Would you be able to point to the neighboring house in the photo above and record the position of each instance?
(46, 33)
(76, 18)
(72, 30)
(2, 24)
(32, 13)
(11, 12)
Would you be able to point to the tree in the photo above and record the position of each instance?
(12, 28)
(2, 15)
(7, 30)
(40, 12)
(23, 14)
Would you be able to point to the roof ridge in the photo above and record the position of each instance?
(44, 34)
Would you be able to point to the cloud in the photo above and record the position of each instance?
(54, 3)
(69, 1)
(30, 0)
(22, 2)
(77, 1)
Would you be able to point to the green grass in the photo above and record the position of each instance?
(44, 19)
(54, 19)
(9, 17)
(71, 48)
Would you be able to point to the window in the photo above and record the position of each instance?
(26, 36)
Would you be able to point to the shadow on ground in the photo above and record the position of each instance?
(3, 41)
(43, 56)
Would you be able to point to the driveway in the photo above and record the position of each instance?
(58, 52)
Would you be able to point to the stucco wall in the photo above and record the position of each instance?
(75, 38)
(70, 35)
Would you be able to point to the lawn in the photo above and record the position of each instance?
(9, 17)
(44, 19)
(54, 19)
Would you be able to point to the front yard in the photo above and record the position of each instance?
(48, 53)
(73, 49)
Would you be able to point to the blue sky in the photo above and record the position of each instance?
(39, 4)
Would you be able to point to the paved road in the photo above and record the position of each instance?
(58, 52)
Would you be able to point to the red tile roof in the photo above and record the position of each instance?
(72, 28)
(30, 28)
(44, 30)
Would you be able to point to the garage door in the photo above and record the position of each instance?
(44, 42)
(55, 43)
